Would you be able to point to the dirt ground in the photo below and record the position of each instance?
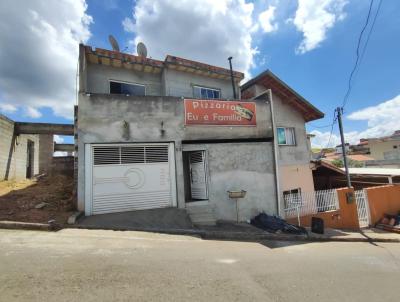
(19, 199)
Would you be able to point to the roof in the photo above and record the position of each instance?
(394, 136)
(329, 166)
(374, 171)
(271, 81)
(139, 63)
(357, 157)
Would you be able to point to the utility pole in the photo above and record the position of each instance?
(339, 111)
(233, 82)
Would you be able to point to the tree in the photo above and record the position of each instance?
(352, 163)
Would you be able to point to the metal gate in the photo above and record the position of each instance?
(362, 208)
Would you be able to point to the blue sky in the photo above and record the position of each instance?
(260, 35)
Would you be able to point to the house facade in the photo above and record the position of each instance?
(291, 113)
(153, 134)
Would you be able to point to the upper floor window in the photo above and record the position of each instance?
(127, 88)
(206, 93)
(286, 136)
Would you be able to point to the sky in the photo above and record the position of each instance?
(310, 44)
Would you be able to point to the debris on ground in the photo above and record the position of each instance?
(390, 223)
(37, 200)
(275, 224)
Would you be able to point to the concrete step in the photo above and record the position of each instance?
(201, 214)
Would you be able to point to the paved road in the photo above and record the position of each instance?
(82, 265)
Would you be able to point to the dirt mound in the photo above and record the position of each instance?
(40, 200)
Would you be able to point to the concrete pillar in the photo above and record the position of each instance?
(46, 150)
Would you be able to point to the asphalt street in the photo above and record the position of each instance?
(89, 265)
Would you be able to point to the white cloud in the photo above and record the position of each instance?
(39, 52)
(266, 19)
(314, 18)
(128, 25)
(7, 108)
(32, 112)
(204, 30)
(58, 139)
(382, 120)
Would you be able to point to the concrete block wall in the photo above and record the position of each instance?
(13, 151)
(46, 150)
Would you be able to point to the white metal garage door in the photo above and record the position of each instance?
(132, 177)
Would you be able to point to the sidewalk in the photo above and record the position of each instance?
(232, 232)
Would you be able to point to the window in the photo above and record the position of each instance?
(292, 198)
(125, 88)
(286, 136)
(206, 93)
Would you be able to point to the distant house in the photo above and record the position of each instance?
(328, 176)
(385, 148)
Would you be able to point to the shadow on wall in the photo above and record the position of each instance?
(10, 152)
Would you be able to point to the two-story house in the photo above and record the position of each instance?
(153, 134)
(291, 112)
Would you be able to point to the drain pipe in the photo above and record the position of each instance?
(278, 190)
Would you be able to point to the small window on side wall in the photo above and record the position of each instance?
(125, 88)
(286, 136)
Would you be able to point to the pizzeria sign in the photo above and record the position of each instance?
(220, 113)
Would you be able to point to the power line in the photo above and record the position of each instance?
(358, 55)
(370, 31)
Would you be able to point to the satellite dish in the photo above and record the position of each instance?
(113, 43)
(141, 49)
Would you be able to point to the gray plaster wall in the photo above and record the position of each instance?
(13, 151)
(141, 119)
(102, 118)
(98, 77)
(240, 166)
(178, 83)
(168, 83)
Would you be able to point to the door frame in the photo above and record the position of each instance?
(186, 167)
(89, 171)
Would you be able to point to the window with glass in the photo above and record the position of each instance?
(206, 93)
(286, 136)
(127, 88)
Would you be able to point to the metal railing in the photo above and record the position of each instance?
(306, 203)
(362, 208)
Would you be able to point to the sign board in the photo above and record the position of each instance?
(220, 113)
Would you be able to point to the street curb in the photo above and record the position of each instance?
(237, 236)
(201, 233)
(17, 225)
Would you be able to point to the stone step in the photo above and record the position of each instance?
(201, 214)
(200, 209)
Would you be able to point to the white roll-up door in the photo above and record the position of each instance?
(132, 177)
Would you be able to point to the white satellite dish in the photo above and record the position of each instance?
(113, 43)
(141, 49)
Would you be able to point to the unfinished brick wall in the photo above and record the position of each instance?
(13, 152)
